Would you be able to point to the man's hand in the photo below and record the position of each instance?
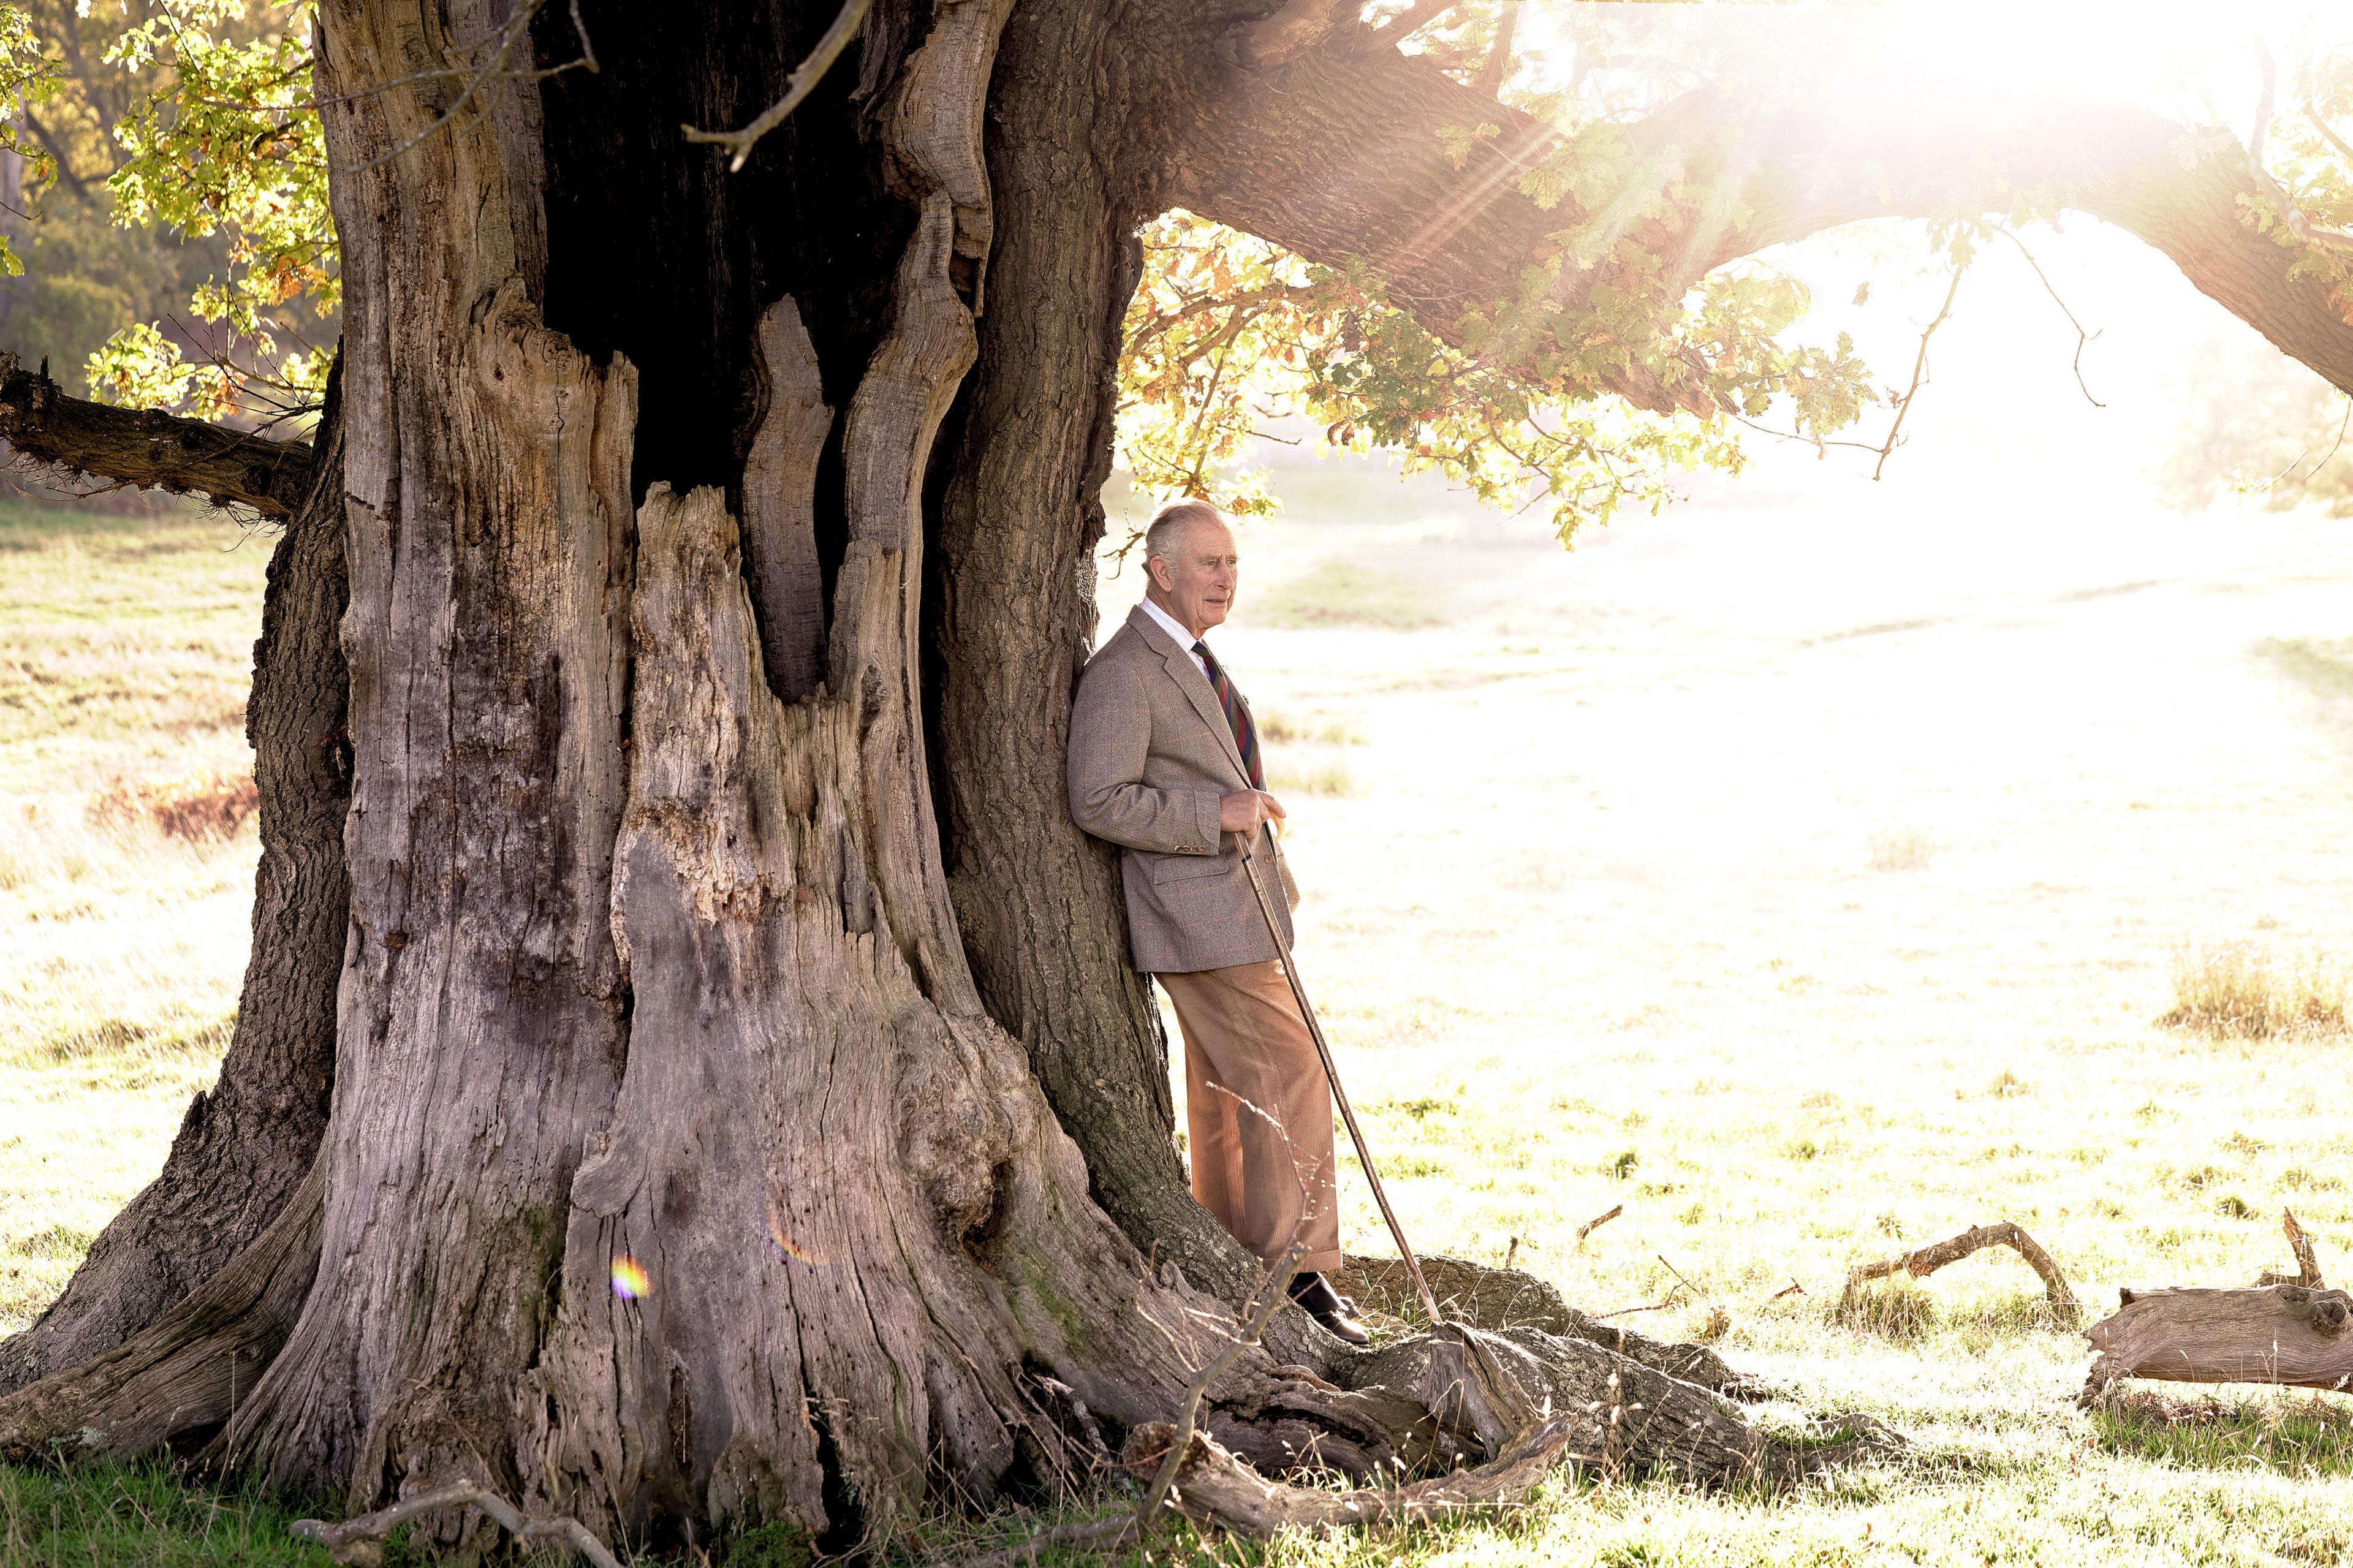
(1242, 811)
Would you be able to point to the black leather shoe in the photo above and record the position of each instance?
(1329, 1308)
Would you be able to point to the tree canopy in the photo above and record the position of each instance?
(198, 118)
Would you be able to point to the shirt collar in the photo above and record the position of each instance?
(1172, 625)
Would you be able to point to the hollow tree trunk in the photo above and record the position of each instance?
(654, 975)
(247, 1141)
(708, 1111)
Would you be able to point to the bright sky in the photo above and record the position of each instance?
(2001, 392)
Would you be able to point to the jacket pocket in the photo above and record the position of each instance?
(1162, 870)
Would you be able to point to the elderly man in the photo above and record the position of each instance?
(1165, 762)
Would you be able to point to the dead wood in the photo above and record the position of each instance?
(1501, 1300)
(1597, 1221)
(1927, 1260)
(354, 1540)
(2285, 1334)
(147, 448)
(2307, 1262)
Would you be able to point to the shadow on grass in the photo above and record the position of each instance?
(2295, 1435)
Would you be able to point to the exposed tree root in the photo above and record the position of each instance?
(1503, 1299)
(354, 1540)
(178, 1381)
(1927, 1260)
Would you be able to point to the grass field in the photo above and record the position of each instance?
(1808, 880)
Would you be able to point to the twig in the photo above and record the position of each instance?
(1511, 1252)
(2083, 337)
(1927, 1260)
(2308, 1263)
(509, 33)
(796, 88)
(1597, 1221)
(513, 1521)
(1793, 1289)
(1697, 1294)
(1629, 1311)
(1919, 372)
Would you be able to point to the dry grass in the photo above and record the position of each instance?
(1591, 929)
(2234, 991)
(1901, 850)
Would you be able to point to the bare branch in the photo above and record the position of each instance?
(1929, 1260)
(148, 447)
(796, 88)
(511, 32)
(1919, 374)
(2083, 337)
(1597, 1221)
(375, 1526)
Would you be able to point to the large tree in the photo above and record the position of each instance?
(688, 1072)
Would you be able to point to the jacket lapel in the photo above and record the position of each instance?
(1192, 683)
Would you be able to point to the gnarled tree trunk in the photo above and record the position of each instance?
(741, 1105)
(245, 1144)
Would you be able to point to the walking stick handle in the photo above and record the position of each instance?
(1332, 1076)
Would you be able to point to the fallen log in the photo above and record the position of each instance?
(2290, 1335)
(1927, 1260)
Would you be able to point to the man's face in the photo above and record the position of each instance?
(1195, 581)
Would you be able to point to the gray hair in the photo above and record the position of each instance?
(1161, 534)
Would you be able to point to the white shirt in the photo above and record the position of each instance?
(1176, 628)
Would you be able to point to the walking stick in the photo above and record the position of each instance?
(1332, 1075)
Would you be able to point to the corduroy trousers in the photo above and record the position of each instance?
(1258, 1112)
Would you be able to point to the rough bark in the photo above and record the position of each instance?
(149, 448)
(482, 1013)
(662, 972)
(780, 553)
(248, 1140)
(1036, 901)
(2286, 1335)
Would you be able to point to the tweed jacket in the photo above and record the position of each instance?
(1151, 756)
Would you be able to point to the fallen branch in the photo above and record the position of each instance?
(147, 448)
(1927, 1260)
(2284, 1334)
(2289, 1330)
(354, 1541)
(1597, 1221)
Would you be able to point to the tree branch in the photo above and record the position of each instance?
(799, 87)
(1490, 80)
(1340, 156)
(147, 448)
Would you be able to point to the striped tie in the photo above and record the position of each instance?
(1237, 716)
